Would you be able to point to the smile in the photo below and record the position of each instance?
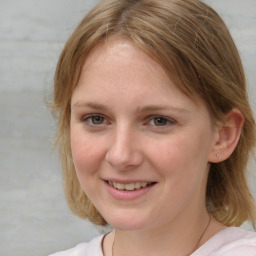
(129, 186)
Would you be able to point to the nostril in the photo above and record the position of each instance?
(124, 160)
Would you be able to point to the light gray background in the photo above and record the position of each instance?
(34, 218)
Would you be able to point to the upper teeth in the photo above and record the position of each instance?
(130, 186)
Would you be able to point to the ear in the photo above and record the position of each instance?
(227, 136)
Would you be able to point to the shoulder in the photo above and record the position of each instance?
(93, 248)
(232, 241)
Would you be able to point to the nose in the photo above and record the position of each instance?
(124, 152)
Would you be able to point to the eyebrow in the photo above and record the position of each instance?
(143, 109)
(161, 107)
(89, 105)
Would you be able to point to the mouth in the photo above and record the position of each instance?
(129, 186)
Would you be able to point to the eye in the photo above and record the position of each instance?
(95, 120)
(161, 121)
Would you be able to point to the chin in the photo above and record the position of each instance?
(126, 222)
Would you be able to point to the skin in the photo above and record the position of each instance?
(129, 122)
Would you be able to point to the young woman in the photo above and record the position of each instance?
(155, 130)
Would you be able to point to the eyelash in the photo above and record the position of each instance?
(168, 121)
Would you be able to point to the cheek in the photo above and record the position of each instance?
(87, 158)
(183, 170)
(183, 157)
(85, 153)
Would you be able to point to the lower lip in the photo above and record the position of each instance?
(126, 194)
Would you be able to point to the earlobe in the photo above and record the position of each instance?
(227, 137)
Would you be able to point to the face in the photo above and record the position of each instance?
(140, 146)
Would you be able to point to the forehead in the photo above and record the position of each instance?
(118, 73)
(119, 61)
(118, 64)
(122, 50)
(119, 52)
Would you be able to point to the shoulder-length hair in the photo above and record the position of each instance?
(194, 46)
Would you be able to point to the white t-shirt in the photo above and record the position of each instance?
(231, 241)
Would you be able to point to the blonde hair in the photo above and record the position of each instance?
(192, 43)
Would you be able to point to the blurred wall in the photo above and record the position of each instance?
(34, 218)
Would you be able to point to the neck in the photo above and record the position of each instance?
(177, 238)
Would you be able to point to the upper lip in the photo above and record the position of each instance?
(129, 181)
